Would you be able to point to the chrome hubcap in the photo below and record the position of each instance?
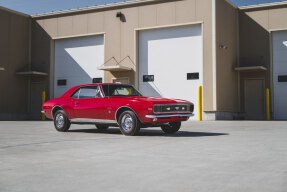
(127, 123)
(60, 120)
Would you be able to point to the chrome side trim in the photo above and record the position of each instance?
(43, 112)
(86, 120)
(166, 116)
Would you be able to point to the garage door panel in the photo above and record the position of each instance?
(81, 42)
(171, 33)
(280, 60)
(283, 91)
(150, 90)
(281, 104)
(76, 61)
(281, 45)
(279, 50)
(280, 68)
(70, 68)
(74, 81)
(275, 79)
(169, 54)
(165, 56)
(280, 56)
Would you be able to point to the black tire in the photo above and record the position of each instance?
(102, 127)
(129, 123)
(171, 127)
(61, 121)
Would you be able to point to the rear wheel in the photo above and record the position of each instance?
(129, 123)
(61, 121)
(102, 127)
(171, 127)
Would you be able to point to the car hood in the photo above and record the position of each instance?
(159, 100)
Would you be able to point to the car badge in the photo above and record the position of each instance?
(177, 108)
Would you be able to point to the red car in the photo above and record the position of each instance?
(116, 105)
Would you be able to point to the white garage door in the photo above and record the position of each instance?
(76, 62)
(280, 74)
(170, 55)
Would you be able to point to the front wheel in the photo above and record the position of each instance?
(129, 123)
(171, 127)
(61, 121)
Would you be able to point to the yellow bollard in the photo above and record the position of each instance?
(267, 104)
(200, 103)
(43, 100)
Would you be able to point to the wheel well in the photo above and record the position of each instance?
(121, 110)
(55, 109)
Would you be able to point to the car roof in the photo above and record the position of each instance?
(72, 90)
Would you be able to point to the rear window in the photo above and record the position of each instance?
(117, 90)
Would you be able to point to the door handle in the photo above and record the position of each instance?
(77, 102)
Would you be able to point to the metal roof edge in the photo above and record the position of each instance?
(264, 5)
(232, 4)
(14, 12)
(93, 8)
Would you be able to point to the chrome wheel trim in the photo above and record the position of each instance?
(127, 123)
(59, 120)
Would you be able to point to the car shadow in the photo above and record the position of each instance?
(149, 132)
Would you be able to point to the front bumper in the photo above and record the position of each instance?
(166, 116)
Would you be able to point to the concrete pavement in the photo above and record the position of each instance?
(204, 156)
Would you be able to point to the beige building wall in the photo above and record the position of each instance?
(226, 57)
(256, 26)
(120, 37)
(14, 54)
(40, 58)
(231, 37)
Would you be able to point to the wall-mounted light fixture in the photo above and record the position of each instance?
(223, 47)
(121, 16)
(2, 69)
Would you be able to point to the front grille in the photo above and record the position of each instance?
(173, 108)
(157, 108)
(191, 108)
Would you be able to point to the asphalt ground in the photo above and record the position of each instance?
(208, 156)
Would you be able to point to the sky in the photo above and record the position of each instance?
(33, 7)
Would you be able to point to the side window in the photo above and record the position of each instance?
(88, 92)
(99, 93)
(76, 94)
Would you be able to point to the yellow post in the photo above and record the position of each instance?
(267, 104)
(200, 103)
(43, 100)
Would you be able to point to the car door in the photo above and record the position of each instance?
(89, 103)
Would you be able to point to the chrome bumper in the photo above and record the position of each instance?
(155, 117)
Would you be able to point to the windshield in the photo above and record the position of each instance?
(117, 90)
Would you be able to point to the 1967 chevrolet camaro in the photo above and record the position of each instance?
(116, 105)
